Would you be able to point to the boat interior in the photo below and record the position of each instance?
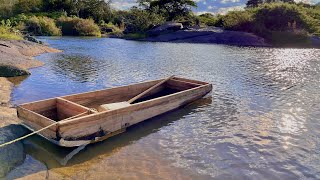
(83, 104)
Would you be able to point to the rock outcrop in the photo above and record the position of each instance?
(210, 35)
(16, 57)
(168, 27)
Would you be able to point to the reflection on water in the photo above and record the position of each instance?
(260, 121)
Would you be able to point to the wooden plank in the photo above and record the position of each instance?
(190, 80)
(119, 93)
(181, 85)
(39, 106)
(67, 109)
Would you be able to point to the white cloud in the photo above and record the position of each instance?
(229, 1)
(123, 4)
(227, 9)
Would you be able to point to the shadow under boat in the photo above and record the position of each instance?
(55, 156)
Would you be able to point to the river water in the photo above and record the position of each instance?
(261, 120)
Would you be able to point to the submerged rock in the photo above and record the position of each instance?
(12, 71)
(13, 154)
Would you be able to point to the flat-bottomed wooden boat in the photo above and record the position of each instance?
(80, 119)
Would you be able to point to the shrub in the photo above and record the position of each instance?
(8, 33)
(237, 20)
(43, 26)
(110, 28)
(139, 21)
(79, 27)
(208, 19)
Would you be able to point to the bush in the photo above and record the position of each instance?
(75, 26)
(110, 28)
(208, 19)
(42, 26)
(139, 21)
(8, 33)
(237, 20)
(279, 23)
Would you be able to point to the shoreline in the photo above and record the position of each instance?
(17, 54)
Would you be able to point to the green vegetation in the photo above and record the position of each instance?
(75, 26)
(280, 23)
(41, 26)
(7, 32)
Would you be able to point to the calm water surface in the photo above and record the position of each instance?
(260, 122)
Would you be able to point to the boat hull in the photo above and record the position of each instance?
(97, 126)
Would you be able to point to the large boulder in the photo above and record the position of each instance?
(13, 154)
(12, 71)
(165, 28)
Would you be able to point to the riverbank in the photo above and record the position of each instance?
(210, 35)
(16, 58)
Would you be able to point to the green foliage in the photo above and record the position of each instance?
(277, 22)
(208, 19)
(6, 8)
(138, 20)
(78, 27)
(43, 26)
(26, 6)
(7, 32)
(170, 9)
(237, 20)
(256, 3)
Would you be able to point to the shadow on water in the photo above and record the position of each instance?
(54, 156)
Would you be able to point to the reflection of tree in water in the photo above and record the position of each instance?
(77, 67)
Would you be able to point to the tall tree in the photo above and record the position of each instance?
(170, 8)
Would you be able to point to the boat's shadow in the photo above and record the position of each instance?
(54, 156)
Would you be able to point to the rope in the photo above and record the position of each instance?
(36, 132)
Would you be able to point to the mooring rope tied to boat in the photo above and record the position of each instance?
(36, 132)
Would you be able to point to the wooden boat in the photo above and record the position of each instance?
(80, 119)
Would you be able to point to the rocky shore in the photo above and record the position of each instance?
(16, 57)
(212, 35)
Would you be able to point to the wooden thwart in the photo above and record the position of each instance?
(119, 105)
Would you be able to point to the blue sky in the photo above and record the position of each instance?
(213, 6)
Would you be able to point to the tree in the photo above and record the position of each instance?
(256, 3)
(253, 3)
(26, 6)
(171, 9)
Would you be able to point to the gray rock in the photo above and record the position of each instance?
(13, 154)
(12, 71)
(315, 40)
(32, 39)
(165, 28)
(210, 35)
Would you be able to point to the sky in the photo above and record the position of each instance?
(204, 6)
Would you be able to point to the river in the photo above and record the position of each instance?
(261, 121)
